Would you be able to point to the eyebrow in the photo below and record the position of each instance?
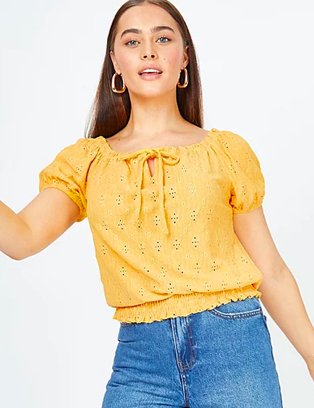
(153, 30)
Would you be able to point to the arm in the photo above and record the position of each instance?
(41, 222)
(280, 293)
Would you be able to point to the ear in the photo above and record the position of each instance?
(186, 57)
(114, 62)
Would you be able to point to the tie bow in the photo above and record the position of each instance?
(166, 156)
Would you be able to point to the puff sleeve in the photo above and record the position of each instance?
(69, 170)
(247, 179)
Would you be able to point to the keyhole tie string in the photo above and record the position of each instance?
(163, 157)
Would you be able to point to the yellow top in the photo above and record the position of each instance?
(165, 244)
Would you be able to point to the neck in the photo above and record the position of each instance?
(153, 117)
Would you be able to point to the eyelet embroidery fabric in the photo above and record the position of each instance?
(165, 243)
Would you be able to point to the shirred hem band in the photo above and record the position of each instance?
(182, 305)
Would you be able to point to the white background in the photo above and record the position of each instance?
(57, 337)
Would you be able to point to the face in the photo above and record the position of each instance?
(145, 47)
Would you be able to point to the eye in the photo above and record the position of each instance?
(164, 38)
(127, 43)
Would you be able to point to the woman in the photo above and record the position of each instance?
(183, 247)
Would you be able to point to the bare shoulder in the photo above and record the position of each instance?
(193, 133)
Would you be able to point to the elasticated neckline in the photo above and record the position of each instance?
(165, 147)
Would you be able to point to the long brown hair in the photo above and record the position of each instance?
(110, 111)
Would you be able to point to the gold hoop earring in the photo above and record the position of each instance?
(113, 84)
(186, 79)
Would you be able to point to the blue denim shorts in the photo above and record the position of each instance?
(218, 358)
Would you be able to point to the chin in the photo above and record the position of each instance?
(152, 92)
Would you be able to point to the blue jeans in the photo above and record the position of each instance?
(218, 358)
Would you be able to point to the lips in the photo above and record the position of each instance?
(150, 71)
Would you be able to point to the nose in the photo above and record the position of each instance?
(148, 50)
(149, 54)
